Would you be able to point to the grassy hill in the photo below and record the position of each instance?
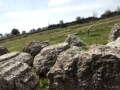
(98, 34)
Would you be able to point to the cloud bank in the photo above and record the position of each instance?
(56, 10)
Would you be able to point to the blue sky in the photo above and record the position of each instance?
(29, 14)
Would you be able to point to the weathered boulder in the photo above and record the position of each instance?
(115, 32)
(63, 75)
(86, 70)
(3, 50)
(103, 49)
(17, 56)
(98, 72)
(16, 75)
(115, 44)
(34, 47)
(74, 41)
(47, 57)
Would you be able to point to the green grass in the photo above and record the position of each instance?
(43, 84)
(98, 34)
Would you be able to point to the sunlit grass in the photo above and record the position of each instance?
(98, 34)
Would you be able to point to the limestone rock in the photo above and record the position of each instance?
(3, 50)
(16, 75)
(63, 75)
(25, 58)
(86, 70)
(74, 41)
(17, 56)
(47, 57)
(98, 72)
(115, 32)
(115, 44)
(34, 47)
(103, 49)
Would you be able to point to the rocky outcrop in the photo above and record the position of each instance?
(3, 50)
(103, 49)
(63, 75)
(98, 71)
(115, 32)
(95, 69)
(47, 57)
(17, 56)
(74, 41)
(34, 47)
(16, 75)
(115, 44)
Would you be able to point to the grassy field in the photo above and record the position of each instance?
(98, 34)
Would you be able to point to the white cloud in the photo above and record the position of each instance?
(1, 3)
(40, 17)
(94, 4)
(23, 20)
(24, 24)
(57, 2)
(84, 9)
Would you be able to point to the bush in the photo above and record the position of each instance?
(15, 32)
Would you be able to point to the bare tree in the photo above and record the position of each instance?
(1, 36)
(94, 14)
(118, 9)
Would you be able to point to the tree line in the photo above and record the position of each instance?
(61, 24)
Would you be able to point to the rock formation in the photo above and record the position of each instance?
(15, 74)
(34, 47)
(74, 41)
(115, 44)
(17, 56)
(98, 71)
(3, 50)
(67, 66)
(115, 32)
(63, 75)
(47, 57)
(95, 69)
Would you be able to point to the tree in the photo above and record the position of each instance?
(23, 32)
(39, 29)
(15, 32)
(78, 19)
(108, 13)
(7, 35)
(32, 30)
(61, 22)
(118, 9)
(1, 36)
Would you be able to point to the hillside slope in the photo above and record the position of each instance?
(98, 34)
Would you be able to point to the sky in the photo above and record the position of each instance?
(29, 14)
